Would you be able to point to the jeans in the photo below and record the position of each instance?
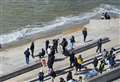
(27, 60)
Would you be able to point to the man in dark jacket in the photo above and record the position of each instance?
(43, 52)
(72, 40)
(51, 61)
(64, 44)
(95, 62)
(47, 44)
(27, 54)
(72, 59)
(51, 58)
(55, 45)
(99, 45)
(32, 49)
(84, 32)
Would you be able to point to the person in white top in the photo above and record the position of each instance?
(49, 50)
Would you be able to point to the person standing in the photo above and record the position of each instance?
(51, 59)
(72, 59)
(76, 65)
(47, 44)
(84, 32)
(95, 63)
(72, 40)
(104, 55)
(102, 66)
(111, 59)
(55, 45)
(79, 61)
(43, 52)
(48, 50)
(27, 54)
(64, 44)
(32, 49)
(99, 45)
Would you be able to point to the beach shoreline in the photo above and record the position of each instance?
(50, 32)
(43, 35)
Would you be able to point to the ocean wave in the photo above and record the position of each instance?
(60, 21)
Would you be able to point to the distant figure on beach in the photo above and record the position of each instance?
(72, 40)
(47, 44)
(84, 32)
(99, 45)
(55, 45)
(64, 44)
(27, 54)
(32, 49)
(106, 15)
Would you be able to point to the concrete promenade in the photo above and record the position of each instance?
(13, 58)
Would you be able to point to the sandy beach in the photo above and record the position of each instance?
(13, 57)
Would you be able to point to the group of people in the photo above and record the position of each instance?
(108, 58)
(30, 51)
(52, 49)
(76, 62)
(106, 16)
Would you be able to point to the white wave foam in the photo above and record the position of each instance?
(32, 29)
(107, 8)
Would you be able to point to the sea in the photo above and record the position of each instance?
(21, 18)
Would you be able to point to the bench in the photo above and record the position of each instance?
(89, 45)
